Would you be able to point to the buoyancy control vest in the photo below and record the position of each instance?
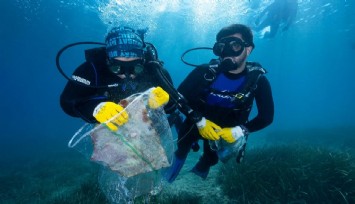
(241, 98)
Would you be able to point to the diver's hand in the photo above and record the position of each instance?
(158, 97)
(112, 114)
(231, 135)
(208, 129)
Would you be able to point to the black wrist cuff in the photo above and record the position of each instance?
(195, 116)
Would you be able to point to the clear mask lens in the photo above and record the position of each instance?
(231, 46)
(129, 67)
(235, 46)
(138, 68)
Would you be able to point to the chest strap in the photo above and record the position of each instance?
(254, 72)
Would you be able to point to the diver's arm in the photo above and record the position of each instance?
(77, 100)
(178, 99)
(265, 106)
(206, 128)
(188, 91)
(192, 85)
(79, 106)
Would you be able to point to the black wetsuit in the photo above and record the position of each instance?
(80, 101)
(203, 96)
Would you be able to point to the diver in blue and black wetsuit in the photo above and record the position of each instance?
(224, 96)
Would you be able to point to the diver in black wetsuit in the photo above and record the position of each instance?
(225, 96)
(279, 13)
(125, 66)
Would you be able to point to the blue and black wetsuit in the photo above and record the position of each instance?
(215, 101)
(80, 101)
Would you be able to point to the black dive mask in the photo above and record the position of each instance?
(229, 47)
(126, 67)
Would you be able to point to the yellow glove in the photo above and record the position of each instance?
(112, 114)
(208, 129)
(231, 135)
(157, 97)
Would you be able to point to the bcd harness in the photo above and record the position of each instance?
(254, 72)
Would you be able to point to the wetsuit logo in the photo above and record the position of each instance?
(81, 80)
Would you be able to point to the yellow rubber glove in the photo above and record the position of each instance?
(208, 129)
(112, 114)
(231, 135)
(158, 97)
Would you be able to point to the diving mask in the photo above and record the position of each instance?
(126, 67)
(229, 47)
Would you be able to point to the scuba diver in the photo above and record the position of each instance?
(279, 13)
(223, 91)
(124, 66)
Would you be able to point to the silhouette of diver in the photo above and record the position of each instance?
(279, 13)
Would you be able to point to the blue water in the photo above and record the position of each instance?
(311, 66)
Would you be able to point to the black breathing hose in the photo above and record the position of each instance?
(60, 52)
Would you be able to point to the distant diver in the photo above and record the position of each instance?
(279, 13)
